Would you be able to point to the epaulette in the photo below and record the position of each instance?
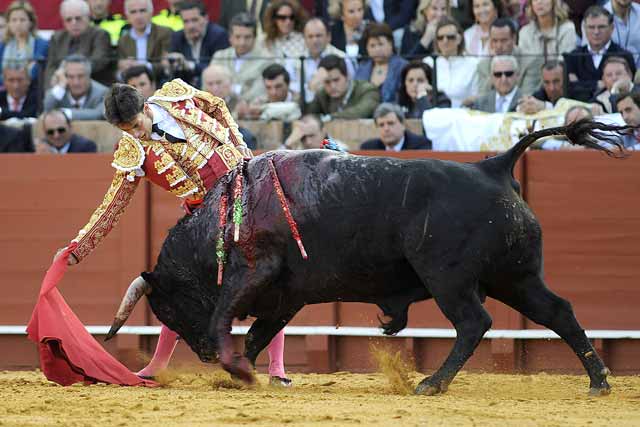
(129, 156)
(173, 91)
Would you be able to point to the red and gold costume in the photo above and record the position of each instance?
(212, 147)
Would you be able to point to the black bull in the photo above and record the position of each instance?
(377, 230)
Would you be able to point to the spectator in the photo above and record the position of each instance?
(476, 37)
(341, 98)
(230, 8)
(306, 133)
(3, 26)
(140, 77)
(16, 139)
(396, 13)
(58, 138)
(616, 73)
(502, 41)
(347, 29)
(628, 105)
(416, 95)
(456, 73)
(317, 45)
(78, 37)
(100, 14)
(243, 59)
(216, 80)
(80, 96)
(626, 21)
(585, 63)
(283, 23)
(169, 17)
(419, 37)
(549, 33)
(144, 43)
(279, 102)
(394, 136)
(504, 98)
(21, 42)
(192, 48)
(383, 67)
(552, 90)
(573, 114)
(19, 98)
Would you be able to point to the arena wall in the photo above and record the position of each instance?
(587, 205)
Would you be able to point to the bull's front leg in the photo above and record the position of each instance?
(241, 286)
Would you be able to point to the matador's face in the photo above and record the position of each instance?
(140, 126)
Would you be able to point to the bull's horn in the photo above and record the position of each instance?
(137, 288)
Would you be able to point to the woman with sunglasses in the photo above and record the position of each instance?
(283, 24)
(455, 73)
(419, 37)
(21, 44)
(383, 67)
(476, 37)
(416, 95)
(550, 32)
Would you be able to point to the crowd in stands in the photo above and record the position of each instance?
(306, 63)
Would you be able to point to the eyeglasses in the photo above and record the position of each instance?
(60, 130)
(499, 74)
(284, 17)
(73, 18)
(450, 37)
(599, 28)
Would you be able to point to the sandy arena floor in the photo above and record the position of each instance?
(208, 397)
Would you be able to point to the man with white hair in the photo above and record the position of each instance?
(144, 43)
(79, 37)
(217, 80)
(505, 95)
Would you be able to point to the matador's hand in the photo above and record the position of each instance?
(71, 260)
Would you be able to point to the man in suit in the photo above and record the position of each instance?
(243, 59)
(81, 97)
(585, 63)
(192, 48)
(502, 41)
(628, 105)
(230, 8)
(79, 37)
(341, 98)
(504, 98)
(58, 137)
(394, 136)
(552, 90)
(144, 43)
(19, 98)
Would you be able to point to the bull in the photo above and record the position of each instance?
(378, 230)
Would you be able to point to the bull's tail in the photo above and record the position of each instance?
(586, 133)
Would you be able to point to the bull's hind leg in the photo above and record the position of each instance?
(463, 308)
(531, 297)
(262, 332)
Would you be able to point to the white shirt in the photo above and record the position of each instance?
(457, 77)
(11, 101)
(377, 9)
(165, 122)
(397, 148)
(597, 56)
(506, 100)
(141, 43)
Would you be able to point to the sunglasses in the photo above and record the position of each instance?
(450, 37)
(60, 130)
(284, 17)
(499, 74)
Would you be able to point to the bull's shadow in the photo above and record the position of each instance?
(377, 230)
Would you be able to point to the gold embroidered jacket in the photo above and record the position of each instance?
(187, 169)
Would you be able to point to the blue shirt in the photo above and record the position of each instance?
(627, 34)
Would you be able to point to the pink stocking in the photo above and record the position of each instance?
(164, 349)
(276, 355)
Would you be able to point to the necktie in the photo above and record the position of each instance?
(156, 129)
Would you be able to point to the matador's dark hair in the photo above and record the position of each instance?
(122, 104)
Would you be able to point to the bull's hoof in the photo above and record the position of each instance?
(600, 391)
(240, 368)
(429, 387)
(601, 387)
